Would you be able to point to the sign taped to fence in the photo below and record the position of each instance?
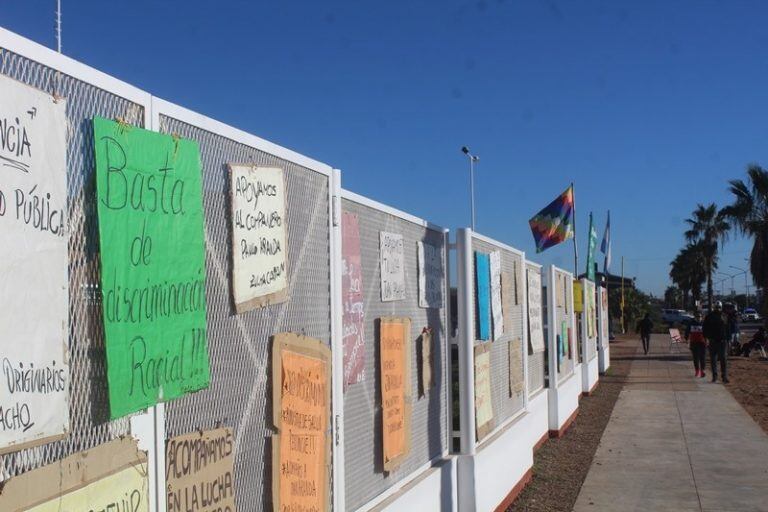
(392, 260)
(425, 354)
(483, 291)
(431, 275)
(259, 237)
(199, 469)
(578, 297)
(483, 400)
(515, 366)
(560, 291)
(112, 476)
(591, 309)
(507, 299)
(34, 287)
(150, 207)
(497, 313)
(353, 316)
(301, 397)
(395, 365)
(604, 317)
(535, 315)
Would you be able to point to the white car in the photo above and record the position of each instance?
(750, 315)
(676, 316)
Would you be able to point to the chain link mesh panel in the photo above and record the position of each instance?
(562, 314)
(504, 405)
(239, 345)
(536, 361)
(88, 399)
(364, 473)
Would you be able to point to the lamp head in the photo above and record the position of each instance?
(465, 150)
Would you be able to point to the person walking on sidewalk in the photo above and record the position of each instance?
(694, 335)
(715, 333)
(644, 327)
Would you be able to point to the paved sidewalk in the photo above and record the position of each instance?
(675, 443)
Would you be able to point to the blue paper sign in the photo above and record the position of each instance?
(483, 302)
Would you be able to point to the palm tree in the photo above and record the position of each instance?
(749, 215)
(707, 228)
(687, 271)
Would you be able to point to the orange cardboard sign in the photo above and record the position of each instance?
(395, 360)
(301, 451)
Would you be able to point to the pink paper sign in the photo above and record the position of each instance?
(352, 297)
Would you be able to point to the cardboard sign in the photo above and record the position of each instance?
(507, 298)
(578, 297)
(353, 316)
(560, 291)
(431, 276)
(516, 380)
(494, 260)
(301, 451)
(425, 362)
(392, 261)
(112, 476)
(150, 207)
(199, 469)
(483, 400)
(591, 310)
(604, 317)
(395, 363)
(259, 236)
(519, 281)
(34, 286)
(483, 291)
(535, 315)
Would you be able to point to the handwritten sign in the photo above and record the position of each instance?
(578, 297)
(519, 283)
(516, 384)
(301, 387)
(353, 316)
(431, 275)
(483, 294)
(392, 260)
(150, 208)
(395, 363)
(507, 299)
(34, 290)
(259, 239)
(590, 309)
(496, 307)
(110, 477)
(483, 401)
(424, 355)
(199, 469)
(535, 315)
(604, 317)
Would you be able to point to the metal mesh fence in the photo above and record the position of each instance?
(88, 400)
(536, 361)
(239, 345)
(505, 405)
(562, 315)
(364, 474)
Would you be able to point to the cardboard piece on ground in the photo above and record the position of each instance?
(515, 366)
(259, 236)
(425, 355)
(301, 398)
(188, 479)
(395, 366)
(483, 401)
(114, 472)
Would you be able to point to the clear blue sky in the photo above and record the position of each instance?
(649, 107)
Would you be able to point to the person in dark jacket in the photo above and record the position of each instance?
(694, 334)
(644, 327)
(715, 332)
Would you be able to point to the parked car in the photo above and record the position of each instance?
(676, 316)
(750, 315)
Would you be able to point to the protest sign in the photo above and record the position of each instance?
(497, 313)
(483, 295)
(301, 394)
(535, 316)
(34, 286)
(392, 262)
(259, 239)
(431, 275)
(516, 384)
(150, 208)
(199, 472)
(425, 354)
(507, 298)
(353, 305)
(395, 365)
(483, 400)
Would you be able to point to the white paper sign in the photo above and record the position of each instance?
(34, 291)
(431, 275)
(259, 251)
(496, 307)
(535, 318)
(392, 261)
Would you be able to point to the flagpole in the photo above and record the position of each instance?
(575, 245)
(623, 330)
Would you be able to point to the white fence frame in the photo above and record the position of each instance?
(527, 263)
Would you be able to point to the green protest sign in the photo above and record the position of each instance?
(150, 208)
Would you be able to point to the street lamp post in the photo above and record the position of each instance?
(472, 160)
(731, 276)
(746, 283)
